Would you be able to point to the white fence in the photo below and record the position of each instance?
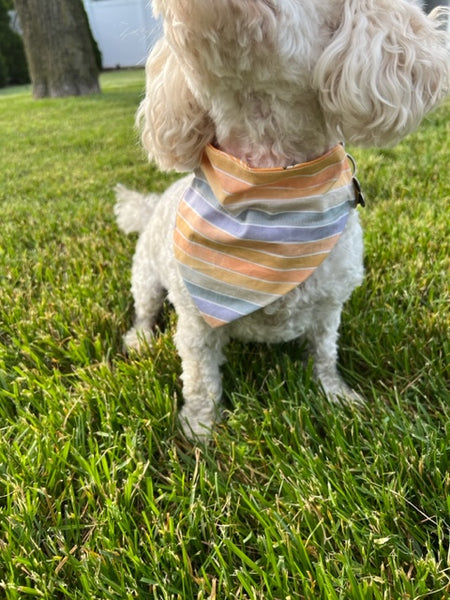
(124, 30)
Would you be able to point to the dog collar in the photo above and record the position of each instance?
(244, 237)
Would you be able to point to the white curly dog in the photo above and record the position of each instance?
(263, 241)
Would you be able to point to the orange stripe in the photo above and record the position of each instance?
(238, 280)
(231, 180)
(213, 321)
(190, 220)
(228, 189)
(299, 259)
(273, 193)
(254, 176)
(238, 265)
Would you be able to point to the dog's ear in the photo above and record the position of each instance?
(175, 129)
(386, 66)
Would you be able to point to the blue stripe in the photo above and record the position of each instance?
(284, 218)
(197, 277)
(266, 233)
(215, 303)
(218, 311)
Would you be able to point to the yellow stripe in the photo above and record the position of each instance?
(240, 273)
(317, 251)
(190, 221)
(232, 181)
(253, 176)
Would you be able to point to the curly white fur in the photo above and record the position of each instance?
(274, 83)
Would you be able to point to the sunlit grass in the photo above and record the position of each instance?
(100, 496)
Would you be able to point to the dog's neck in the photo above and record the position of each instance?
(261, 159)
(259, 142)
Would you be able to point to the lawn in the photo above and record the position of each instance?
(100, 495)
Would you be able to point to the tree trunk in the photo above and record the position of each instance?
(59, 47)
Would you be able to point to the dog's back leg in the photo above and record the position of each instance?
(148, 294)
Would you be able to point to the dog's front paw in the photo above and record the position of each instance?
(197, 426)
(138, 339)
(341, 393)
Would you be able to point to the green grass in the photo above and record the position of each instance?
(102, 498)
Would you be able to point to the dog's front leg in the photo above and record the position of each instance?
(200, 349)
(322, 338)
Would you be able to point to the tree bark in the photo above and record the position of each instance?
(59, 47)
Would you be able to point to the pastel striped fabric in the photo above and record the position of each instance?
(245, 237)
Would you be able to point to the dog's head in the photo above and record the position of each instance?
(373, 68)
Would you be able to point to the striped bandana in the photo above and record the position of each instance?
(245, 237)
